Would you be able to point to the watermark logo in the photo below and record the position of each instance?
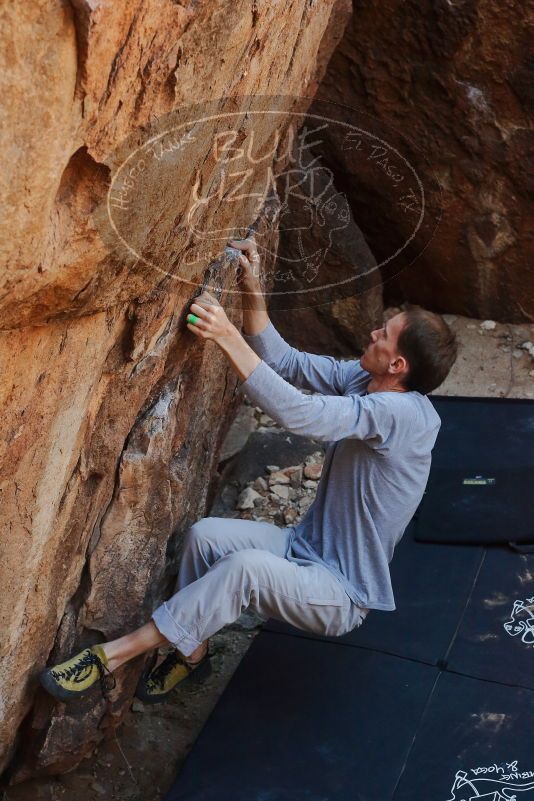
(521, 623)
(496, 782)
(302, 178)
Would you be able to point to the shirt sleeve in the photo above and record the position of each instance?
(370, 418)
(322, 374)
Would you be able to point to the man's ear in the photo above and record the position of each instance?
(398, 365)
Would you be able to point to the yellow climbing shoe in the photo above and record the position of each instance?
(73, 678)
(156, 685)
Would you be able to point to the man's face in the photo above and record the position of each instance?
(382, 349)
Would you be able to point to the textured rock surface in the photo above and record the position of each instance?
(112, 415)
(450, 85)
(338, 286)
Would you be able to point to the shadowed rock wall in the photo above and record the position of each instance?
(450, 84)
(112, 414)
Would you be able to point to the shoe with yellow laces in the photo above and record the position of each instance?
(156, 685)
(75, 677)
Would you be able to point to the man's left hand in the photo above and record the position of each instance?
(213, 322)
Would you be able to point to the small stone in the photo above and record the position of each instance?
(272, 468)
(305, 503)
(516, 353)
(279, 477)
(309, 484)
(293, 469)
(296, 477)
(314, 458)
(449, 318)
(98, 788)
(265, 420)
(290, 515)
(259, 502)
(246, 498)
(281, 490)
(260, 484)
(531, 373)
(488, 325)
(137, 706)
(313, 471)
(528, 346)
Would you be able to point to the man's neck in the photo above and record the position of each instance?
(375, 385)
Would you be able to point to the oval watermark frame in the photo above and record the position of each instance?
(176, 180)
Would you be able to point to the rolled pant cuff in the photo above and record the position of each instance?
(173, 632)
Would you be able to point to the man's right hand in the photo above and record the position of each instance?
(249, 262)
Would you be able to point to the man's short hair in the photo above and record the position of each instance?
(429, 346)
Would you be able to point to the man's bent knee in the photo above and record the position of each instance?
(198, 531)
(248, 560)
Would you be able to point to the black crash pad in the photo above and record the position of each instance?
(474, 742)
(496, 638)
(482, 469)
(431, 584)
(308, 721)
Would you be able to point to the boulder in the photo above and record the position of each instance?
(113, 413)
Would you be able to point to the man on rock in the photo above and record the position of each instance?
(324, 574)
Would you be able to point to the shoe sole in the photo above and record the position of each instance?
(49, 684)
(196, 676)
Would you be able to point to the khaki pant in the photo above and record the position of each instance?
(229, 565)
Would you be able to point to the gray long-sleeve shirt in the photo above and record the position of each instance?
(376, 465)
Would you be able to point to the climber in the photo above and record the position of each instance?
(324, 574)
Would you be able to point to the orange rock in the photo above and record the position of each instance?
(112, 413)
(313, 471)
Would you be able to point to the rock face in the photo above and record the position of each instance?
(337, 287)
(449, 85)
(327, 292)
(112, 414)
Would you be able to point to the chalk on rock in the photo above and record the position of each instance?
(488, 325)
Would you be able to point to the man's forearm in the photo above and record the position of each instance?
(255, 317)
(242, 358)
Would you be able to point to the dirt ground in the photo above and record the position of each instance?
(140, 762)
